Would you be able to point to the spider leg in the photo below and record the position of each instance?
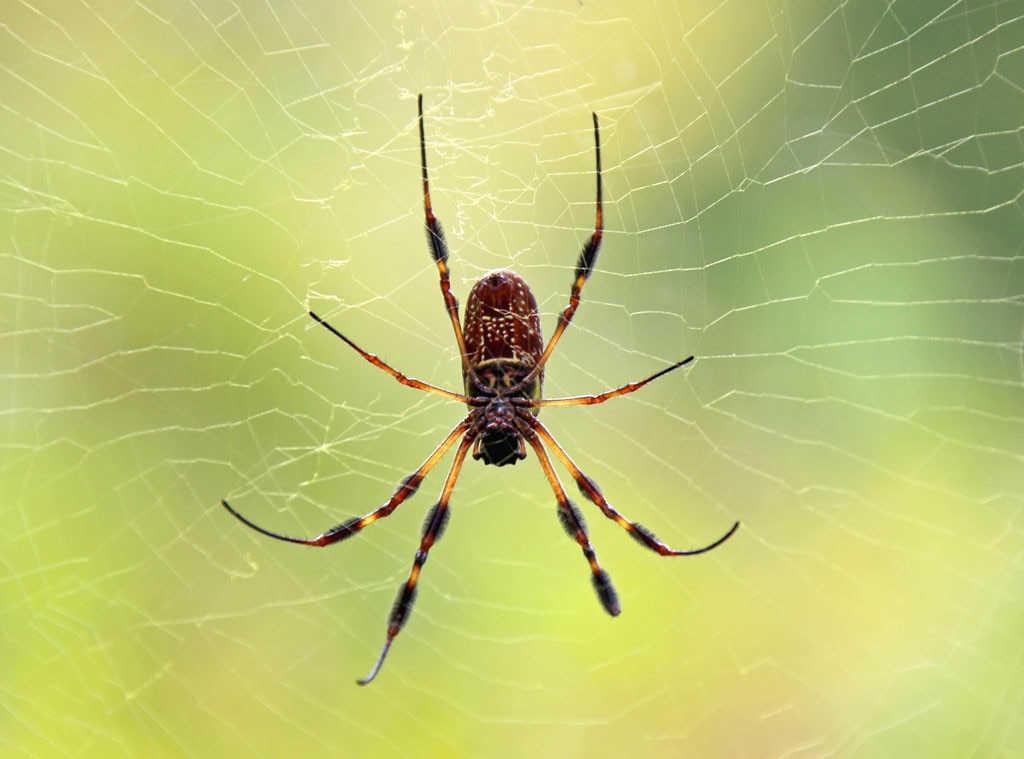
(439, 251)
(380, 364)
(433, 527)
(590, 489)
(350, 527)
(572, 521)
(584, 267)
(589, 400)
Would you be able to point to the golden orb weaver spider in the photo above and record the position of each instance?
(503, 357)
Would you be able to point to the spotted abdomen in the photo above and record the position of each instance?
(502, 330)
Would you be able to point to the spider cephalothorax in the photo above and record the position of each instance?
(503, 357)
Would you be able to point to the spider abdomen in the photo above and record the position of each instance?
(503, 335)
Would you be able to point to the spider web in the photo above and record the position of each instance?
(823, 204)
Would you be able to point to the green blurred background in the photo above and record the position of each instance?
(822, 202)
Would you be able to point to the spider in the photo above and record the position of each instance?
(503, 357)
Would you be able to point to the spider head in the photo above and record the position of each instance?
(499, 441)
(500, 448)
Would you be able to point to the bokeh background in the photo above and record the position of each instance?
(822, 201)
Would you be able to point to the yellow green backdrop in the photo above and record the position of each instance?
(821, 201)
